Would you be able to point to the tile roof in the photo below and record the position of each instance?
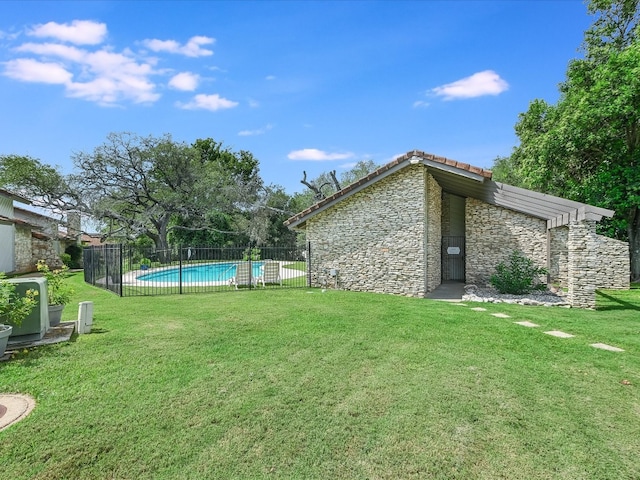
(420, 155)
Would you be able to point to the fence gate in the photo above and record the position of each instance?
(453, 254)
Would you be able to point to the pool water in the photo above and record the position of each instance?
(210, 272)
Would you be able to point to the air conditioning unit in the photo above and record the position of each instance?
(36, 324)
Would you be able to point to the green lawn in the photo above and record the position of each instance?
(296, 383)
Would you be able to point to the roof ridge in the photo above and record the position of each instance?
(388, 166)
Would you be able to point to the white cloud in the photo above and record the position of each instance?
(121, 77)
(100, 76)
(314, 154)
(65, 52)
(207, 102)
(259, 131)
(479, 84)
(270, 77)
(193, 48)
(185, 81)
(108, 91)
(420, 104)
(29, 70)
(80, 32)
(253, 103)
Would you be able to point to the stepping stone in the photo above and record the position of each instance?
(604, 346)
(527, 324)
(460, 304)
(559, 334)
(479, 309)
(501, 315)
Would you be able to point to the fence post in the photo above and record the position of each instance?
(106, 267)
(121, 270)
(309, 264)
(180, 271)
(250, 255)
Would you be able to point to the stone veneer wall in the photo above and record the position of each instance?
(23, 251)
(582, 249)
(47, 250)
(608, 264)
(29, 249)
(433, 199)
(612, 266)
(493, 233)
(559, 264)
(375, 239)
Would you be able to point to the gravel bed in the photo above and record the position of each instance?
(546, 298)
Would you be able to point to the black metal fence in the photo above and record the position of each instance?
(128, 270)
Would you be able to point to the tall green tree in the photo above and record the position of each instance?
(148, 186)
(587, 145)
(44, 185)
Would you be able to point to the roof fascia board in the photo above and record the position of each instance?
(578, 215)
(551, 199)
(489, 193)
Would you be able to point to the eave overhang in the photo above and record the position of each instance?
(468, 181)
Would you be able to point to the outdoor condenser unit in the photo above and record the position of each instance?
(37, 322)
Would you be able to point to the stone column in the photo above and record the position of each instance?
(74, 228)
(582, 252)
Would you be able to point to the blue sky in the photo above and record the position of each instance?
(303, 85)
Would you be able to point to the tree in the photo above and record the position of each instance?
(587, 146)
(42, 184)
(151, 186)
(137, 184)
(147, 186)
(326, 184)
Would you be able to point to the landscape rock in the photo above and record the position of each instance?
(546, 298)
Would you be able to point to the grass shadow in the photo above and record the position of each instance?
(616, 303)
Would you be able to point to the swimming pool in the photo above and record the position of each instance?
(203, 273)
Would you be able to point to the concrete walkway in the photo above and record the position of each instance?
(57, 334)
(448, 291)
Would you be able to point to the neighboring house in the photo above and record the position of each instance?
(8, 229)
(421, 220)
(91, 239)
(27, 236)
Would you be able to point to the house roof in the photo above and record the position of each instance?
(30, 213)
(14, 196)
(467, 181)
(92, 238)
(14, 221)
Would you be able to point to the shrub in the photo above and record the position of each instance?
(251, 254)
(66, 259)
(58, 292)
(75, 252)
(518, 276)
(13, 307)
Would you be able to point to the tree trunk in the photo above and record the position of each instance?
(634, 243)
(160, 238)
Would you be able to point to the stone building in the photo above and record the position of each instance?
(27, 236)
(422, 219)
